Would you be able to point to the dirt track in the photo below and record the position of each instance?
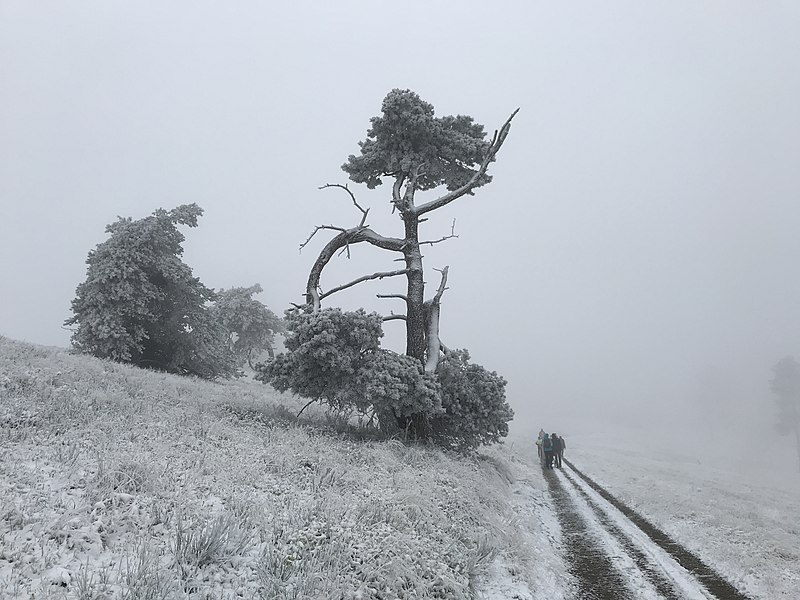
(616, 554)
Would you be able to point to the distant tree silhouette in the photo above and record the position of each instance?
(785, 384)
(251, 324)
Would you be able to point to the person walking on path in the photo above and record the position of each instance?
(557, 449)
(539, 445)
(562, 445)
(547, 448)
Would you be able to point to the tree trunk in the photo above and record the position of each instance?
(416, 425)
(415, 298)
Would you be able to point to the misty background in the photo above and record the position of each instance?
(633, 265)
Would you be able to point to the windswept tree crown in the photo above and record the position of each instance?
(140, 303)
(408, 138)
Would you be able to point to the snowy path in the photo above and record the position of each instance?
(614, 553)
(740, 517)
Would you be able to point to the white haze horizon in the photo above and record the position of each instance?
(630, 266)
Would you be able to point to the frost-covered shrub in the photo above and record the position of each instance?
(474, 401)
(335, 357)
(397, 387)
(326, 351)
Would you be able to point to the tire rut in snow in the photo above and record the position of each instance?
(711, 580)
(653, 574)
(596, 575)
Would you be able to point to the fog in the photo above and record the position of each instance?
(632, 265)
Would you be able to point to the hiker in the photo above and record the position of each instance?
(547, 447)
(562, 445)
(539, 444)
(557, 451)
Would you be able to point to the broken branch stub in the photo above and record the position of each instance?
(433, 310)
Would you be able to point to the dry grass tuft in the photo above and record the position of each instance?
(144, 578)
(203, 542)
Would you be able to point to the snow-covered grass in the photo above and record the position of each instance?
(122, 483)
(735, 512)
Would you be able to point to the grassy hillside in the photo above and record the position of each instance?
(122, 483)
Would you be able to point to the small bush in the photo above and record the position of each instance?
(326, 352)
(335, 357)
(474, 401)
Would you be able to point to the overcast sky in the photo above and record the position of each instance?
(635, 255)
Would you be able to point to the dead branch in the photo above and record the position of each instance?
(401, 296)
(352, 197)
(309, 403)
(494, 147)
(446, 237)
(346, 237)
(395, 318)
(442, 284)
(379, 275)
(316, 229)
(433, 309)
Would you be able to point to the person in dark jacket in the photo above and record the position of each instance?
(558, 451)
(562, 445)
(547, 448)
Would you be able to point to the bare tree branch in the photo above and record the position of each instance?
(346, 237)
(401, 296)
(379, 275)
(446, 237)
(352, 197)
(395, 318)
(497, 142)
(316, 229)
(309, 403)
(442, 284)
